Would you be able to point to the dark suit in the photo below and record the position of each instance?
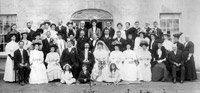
(79, 30)
(90, 59)
(159, 32)
(81, 43)
(72, 59)
(30, 35)
(46, 46)
(129, 31)
(180, 46)
(122, 45)
(135, 32)
(177, 58)
(24, 71)
(63, 30)
(111, 31)
(152, 48)
(83, 76)
(148, 32)
(131, 42)
(107, 41)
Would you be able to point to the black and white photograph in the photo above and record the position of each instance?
(99, 46)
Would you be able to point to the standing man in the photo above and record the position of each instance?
(94, 30)
(70, 56)
(148, 29)
(107, 39)
(157, 30)
(128, 30)
(46, 44)
(81, 41)
(21, 63)
(119, 41)
(189, 60)
(30, 32)
(82, 28)
(175, 58)
(61, 28)
(136, 29)
(110, 29)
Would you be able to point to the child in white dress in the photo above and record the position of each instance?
(67, 76)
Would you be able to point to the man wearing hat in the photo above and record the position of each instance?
(157, 30)
(82, 27)
(110, 29)
(60, 27)
(176, 41)
(94, 30)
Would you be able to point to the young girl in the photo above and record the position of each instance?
(53, 69)
(113, 75)
(84, 76)
(67, 76)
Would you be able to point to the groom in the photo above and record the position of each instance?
(70, 56)
(87, 57)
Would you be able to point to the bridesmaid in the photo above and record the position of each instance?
(9, 75)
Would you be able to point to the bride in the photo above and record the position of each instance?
(101, 54)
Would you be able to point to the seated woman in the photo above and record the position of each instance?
(144, 58)
(67, 76)
(84, 76)
(101, 54)
(159, 70)
(116, 57)
(53, 68)
(113, 75)
(38, 73)
(130, 65)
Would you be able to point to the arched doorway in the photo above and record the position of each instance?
(88, 14)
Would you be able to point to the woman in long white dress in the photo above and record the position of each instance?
(9, 75)
(38, 73)
(101, 54)
(130, 65)
(116, 57)
(53, 68)
(144, 58)
(138, 39)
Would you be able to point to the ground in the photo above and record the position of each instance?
(153, 87)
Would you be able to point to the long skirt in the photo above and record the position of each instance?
(160, 73)
(54, 72)
(38, 74)
(144, 72)
(9, 74)
(190, 70)
(129, 70)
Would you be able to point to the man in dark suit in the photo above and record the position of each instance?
(176, 41)
(82, 28)
(31, 32)
(175, 58)
(70, 56)
(110, 29)
(136, 29)
(119, 41)
(129, 30)
(153, 43)
(21, 63)
(81, 41)
(107, 39)
(87, 57)
(46, 44)
(61, 28)
(157, 30)
(148, 30)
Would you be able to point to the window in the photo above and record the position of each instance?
(170, 22)
(6, 20)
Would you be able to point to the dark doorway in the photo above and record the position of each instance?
(89, 25)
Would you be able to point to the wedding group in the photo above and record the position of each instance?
(74, 54)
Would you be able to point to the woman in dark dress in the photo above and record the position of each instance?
(190, 70)
(159, 70)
